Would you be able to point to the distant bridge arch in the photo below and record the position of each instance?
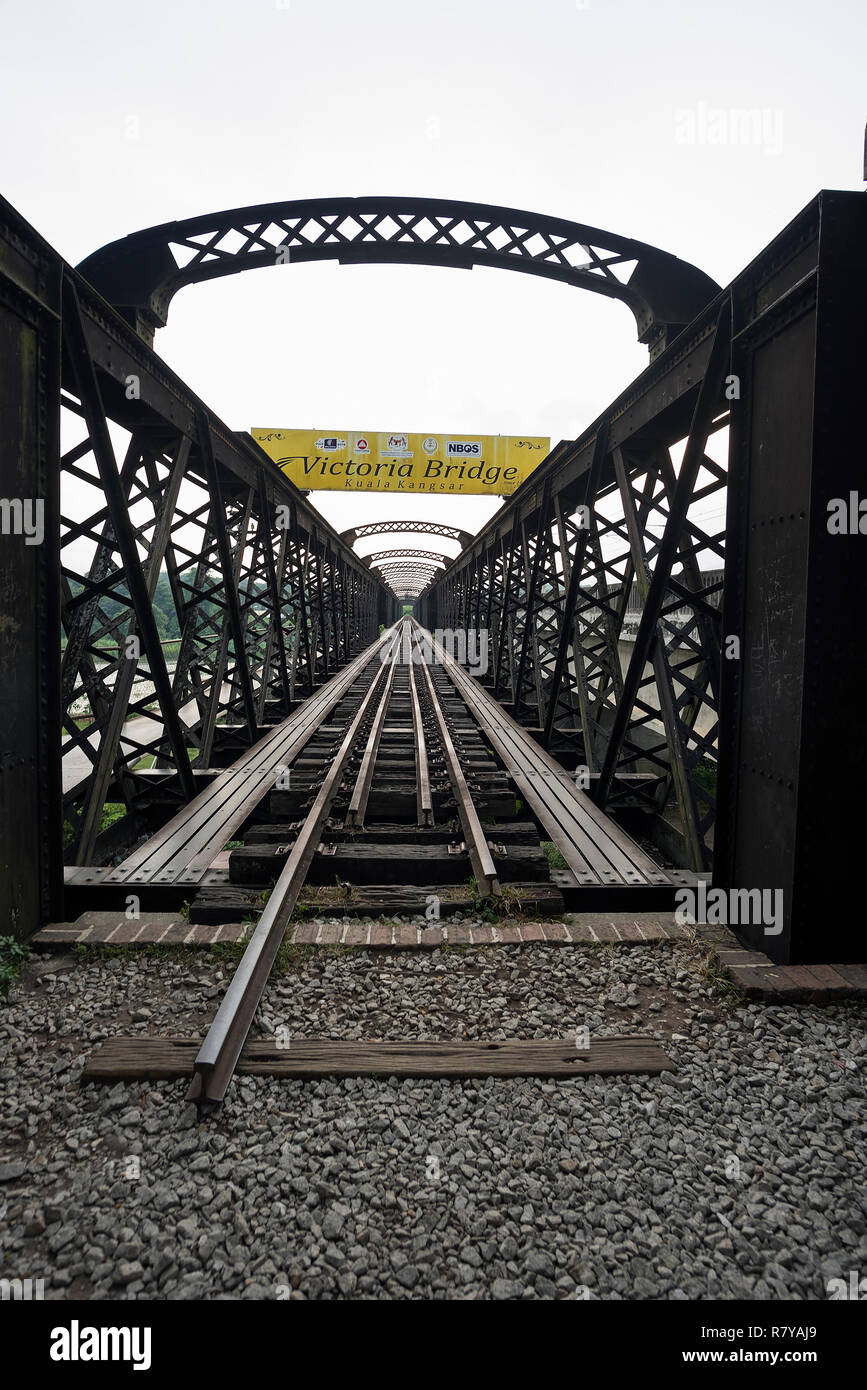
(423, 528)
(415, 571)
(382, 557)
(409, 574)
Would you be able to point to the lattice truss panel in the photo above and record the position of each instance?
(603, 609)
(155, 537)
(106, 670)
(420, 228)
(424, 528)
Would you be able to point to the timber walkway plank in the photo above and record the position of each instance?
(183, 850)
(597, 850)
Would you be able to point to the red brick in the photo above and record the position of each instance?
(406, 935)
(228, 931)
(532, 932)
(330, 934)
(653, 931)
(509, 936)
(145, 934)
(482, 936)
(828, 980)
(629, 931)
(728, 957)
(605, 932)
(555, 931)
(121, 934)
(674, 931)
(854, 975)
(580, 932)
(305, 934)
(459, 935)
(432, 936)
(381, 935)
(765, 982)
(355, 936)
(176, 934)
(801, 977)
(52, 936)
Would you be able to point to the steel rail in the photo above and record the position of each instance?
(361, 792)
(474, 836)
(218, 1056)
(556, 802)
(423, 798)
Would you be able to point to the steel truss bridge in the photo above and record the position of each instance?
(728, 736)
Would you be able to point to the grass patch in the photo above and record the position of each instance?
(225, 954)
(112, 812)
(705, 773)
(13, 956)
(507, 903)
(555, 858)
(722, 987)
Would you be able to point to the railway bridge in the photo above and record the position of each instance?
(315, 731)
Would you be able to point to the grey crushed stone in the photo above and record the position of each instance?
(738, 1176)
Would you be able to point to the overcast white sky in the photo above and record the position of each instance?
(115, 117)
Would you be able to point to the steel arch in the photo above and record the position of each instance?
(410, 572)
(392, 576)
(393, 565)
(140, 273)
(382, 557)
(424, 528)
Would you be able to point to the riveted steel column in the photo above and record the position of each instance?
(31, 848)
(793, 756)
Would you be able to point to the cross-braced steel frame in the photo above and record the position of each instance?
(154, 516)
(161, 520)
(550, 580)
(646, 501)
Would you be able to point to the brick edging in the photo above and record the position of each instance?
(761, 978)
(406, 936)
(161, 929)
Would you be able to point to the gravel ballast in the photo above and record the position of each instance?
(737, 1176)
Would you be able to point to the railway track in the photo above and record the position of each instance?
(399, 788)
(406, 752)
(395, 745)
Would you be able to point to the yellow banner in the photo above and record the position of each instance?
(488, 463)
